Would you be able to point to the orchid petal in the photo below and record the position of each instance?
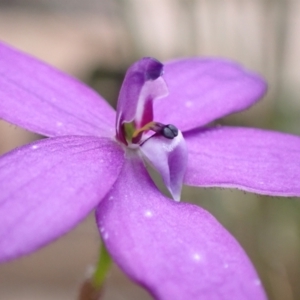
(259, 161)
(175, 250)
(142, 84)
(49, 186)
(202, 90)
(41, 99)
(169, 158)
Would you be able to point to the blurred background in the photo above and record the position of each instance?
(96, 40)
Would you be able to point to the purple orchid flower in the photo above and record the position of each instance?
(175, 250)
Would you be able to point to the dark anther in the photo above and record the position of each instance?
(169, 131)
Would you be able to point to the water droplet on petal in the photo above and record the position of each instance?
(148, 213)
(197, 257)
(257, 282)
(188, 104)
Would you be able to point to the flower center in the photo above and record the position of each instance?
(134, 135)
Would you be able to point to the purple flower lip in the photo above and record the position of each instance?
(175, 250)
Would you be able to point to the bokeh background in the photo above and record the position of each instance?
(95, 40)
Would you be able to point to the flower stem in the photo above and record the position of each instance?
(102, 267)
(92, 288)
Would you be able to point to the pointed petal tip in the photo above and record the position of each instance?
(176, 196)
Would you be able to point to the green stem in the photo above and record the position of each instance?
(102, 267)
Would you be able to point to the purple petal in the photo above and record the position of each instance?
(142, 84)
(41, 99)
(202, 90)
(254, 160)
(175, 250)
(49, 186)
(169, 158)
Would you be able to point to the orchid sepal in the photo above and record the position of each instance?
(174, 249)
